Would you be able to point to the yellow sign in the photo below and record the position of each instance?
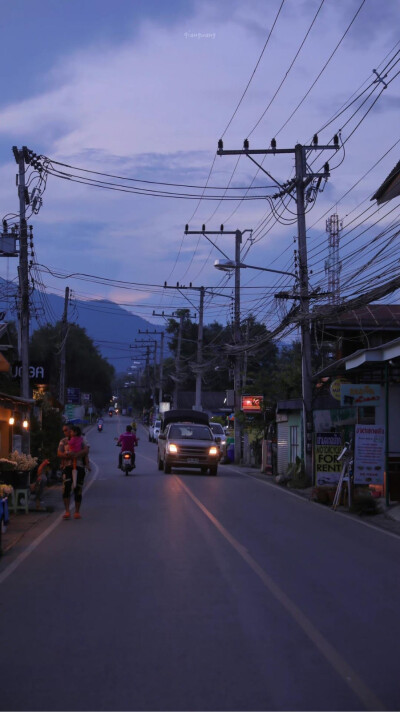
(335, 387)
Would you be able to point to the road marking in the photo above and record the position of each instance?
(348, 675)
(286, 491)
(31, 548)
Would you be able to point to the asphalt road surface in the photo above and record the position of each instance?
(190, 592)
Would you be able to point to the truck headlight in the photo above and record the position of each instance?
(213, 450)
(172, 448)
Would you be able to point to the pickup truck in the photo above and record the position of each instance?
(186, 441)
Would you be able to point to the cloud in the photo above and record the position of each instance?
(154, 105)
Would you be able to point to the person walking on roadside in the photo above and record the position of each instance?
(127, 441)
(68, 458)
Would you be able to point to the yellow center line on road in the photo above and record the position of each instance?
(348, 675)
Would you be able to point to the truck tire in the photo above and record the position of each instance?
(167, 468)
(213, 470)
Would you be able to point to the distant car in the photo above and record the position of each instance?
(154, 431)
(220, 438)
(186, 441)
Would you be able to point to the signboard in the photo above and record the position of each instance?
(252, 404)
(335, 387)
(328, 447)
(74, 395)
(37, 372)
(359, 394)
(369, 454)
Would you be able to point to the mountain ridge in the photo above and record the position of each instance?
(111, 327)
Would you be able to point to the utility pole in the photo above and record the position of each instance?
(199, 373)
(237, 333)
(23, 274)
(176, 379)
(178, 361)
(161, 368)
(153, 382)
(198, 367)
(23, 271)
(64, 332)
(299, 184)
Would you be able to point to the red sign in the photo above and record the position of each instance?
(252, 404)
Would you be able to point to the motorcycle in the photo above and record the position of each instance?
(99, 427)
(127, 461)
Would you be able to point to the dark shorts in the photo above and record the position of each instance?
(67, 483)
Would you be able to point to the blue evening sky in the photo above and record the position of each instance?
(144, 90)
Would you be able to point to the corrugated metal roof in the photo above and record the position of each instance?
(372, 316)
(386, 190)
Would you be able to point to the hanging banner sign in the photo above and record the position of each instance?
(359, 394)
(369, 454)
(328, 447)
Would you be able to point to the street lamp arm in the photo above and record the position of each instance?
(267, 269)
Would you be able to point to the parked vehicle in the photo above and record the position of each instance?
(220, 438)
(154, 431)
(186, 441)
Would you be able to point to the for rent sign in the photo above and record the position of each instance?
(328, 447)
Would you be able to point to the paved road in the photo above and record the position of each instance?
(186, 592)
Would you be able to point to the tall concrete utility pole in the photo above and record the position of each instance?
(23, 196)
(197, 368)
(64, 332)
(199, 373)
(178, 355)
(161, 367)
(178, 361)
(152, 382)
(299, 184)
(236, 328)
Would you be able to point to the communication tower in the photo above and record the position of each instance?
(333, 265)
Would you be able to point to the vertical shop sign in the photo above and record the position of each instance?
(369, 454)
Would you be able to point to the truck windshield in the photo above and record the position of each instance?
(190, 432)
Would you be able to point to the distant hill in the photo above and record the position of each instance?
(111, 327)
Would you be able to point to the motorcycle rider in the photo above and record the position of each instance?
(127, 441)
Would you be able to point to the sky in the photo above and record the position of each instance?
(143, 90)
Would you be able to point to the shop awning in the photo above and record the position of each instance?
(376, 354)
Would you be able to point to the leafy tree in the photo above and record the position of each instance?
(7, 383)
(85, 367)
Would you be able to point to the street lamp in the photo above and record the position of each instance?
(228, 265)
